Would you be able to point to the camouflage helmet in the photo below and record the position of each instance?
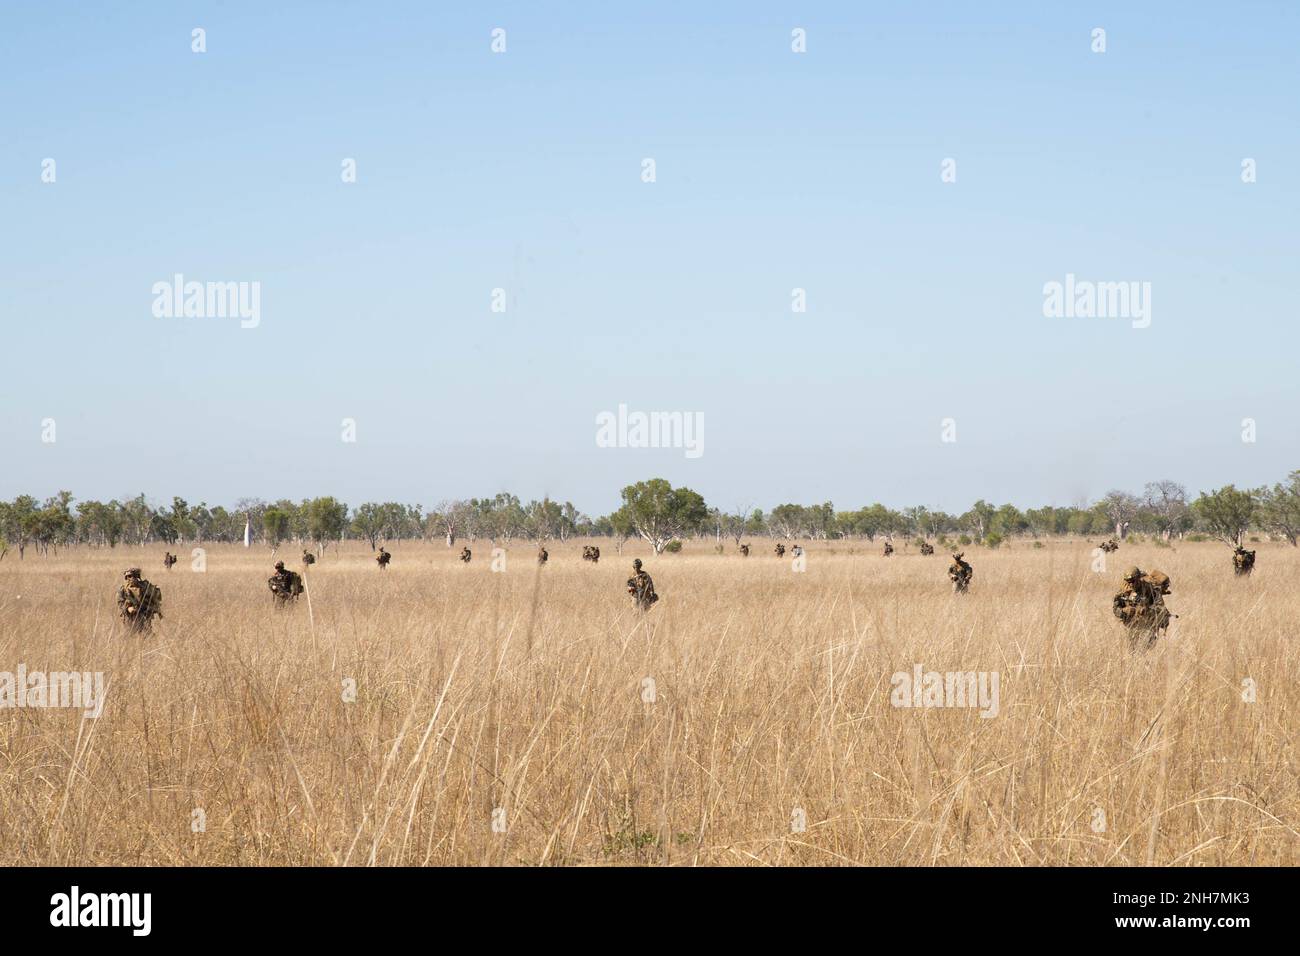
(279, 565)
(131, 573)
(636, 565)
(1133, 574)
(958, 555)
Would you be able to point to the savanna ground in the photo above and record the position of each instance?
(518, 698)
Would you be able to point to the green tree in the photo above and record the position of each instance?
(543, 519)
(979, 518)
(327, 519)
(275, 525)
(21, 522)
(1225, 513)
(658, 512)
(871, 520)
(1279, 508)
(100, 523)
(368, 522)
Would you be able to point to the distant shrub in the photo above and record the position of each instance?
(673, 546)
(1197, 537)
(964, 539)
(992, 539)
(1254, 538)
(1038, 544)
(1161, 543)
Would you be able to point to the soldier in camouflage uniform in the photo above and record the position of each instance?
(1109, 546)
(383, 557)
(889, 549)
(308, 559)
(797, 550)
(780, 550)
(542, 556)
(1140, 607)
(960, 573)
(641, 587)
(591, 553)
(138, 601)
(927, 548)
(168, 560)
(744, 550)
(285, 585)
(465, 554)
(1243, 562)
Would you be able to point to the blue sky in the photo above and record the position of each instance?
(522, 171)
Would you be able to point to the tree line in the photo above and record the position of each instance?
(651, 510)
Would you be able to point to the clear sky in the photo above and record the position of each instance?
(522, 170)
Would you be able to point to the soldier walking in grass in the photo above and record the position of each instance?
(641, 587)
(168, 560)
(465, 554)
(1140, 607)
(308, 559)
(780, 550)
(138, 601)
(383, 557)
(285, 585)
(1243, 562)
(960, 573)
(542, 556)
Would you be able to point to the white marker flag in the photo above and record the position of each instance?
(248, 531)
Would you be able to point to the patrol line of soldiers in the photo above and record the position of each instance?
(1139, 606)
(779, 550)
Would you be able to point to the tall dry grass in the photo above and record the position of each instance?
(524, 691)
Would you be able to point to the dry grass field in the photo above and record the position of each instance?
(522, 693)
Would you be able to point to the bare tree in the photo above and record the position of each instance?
(1120, 508)
(1167, 502)
(449, 516)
